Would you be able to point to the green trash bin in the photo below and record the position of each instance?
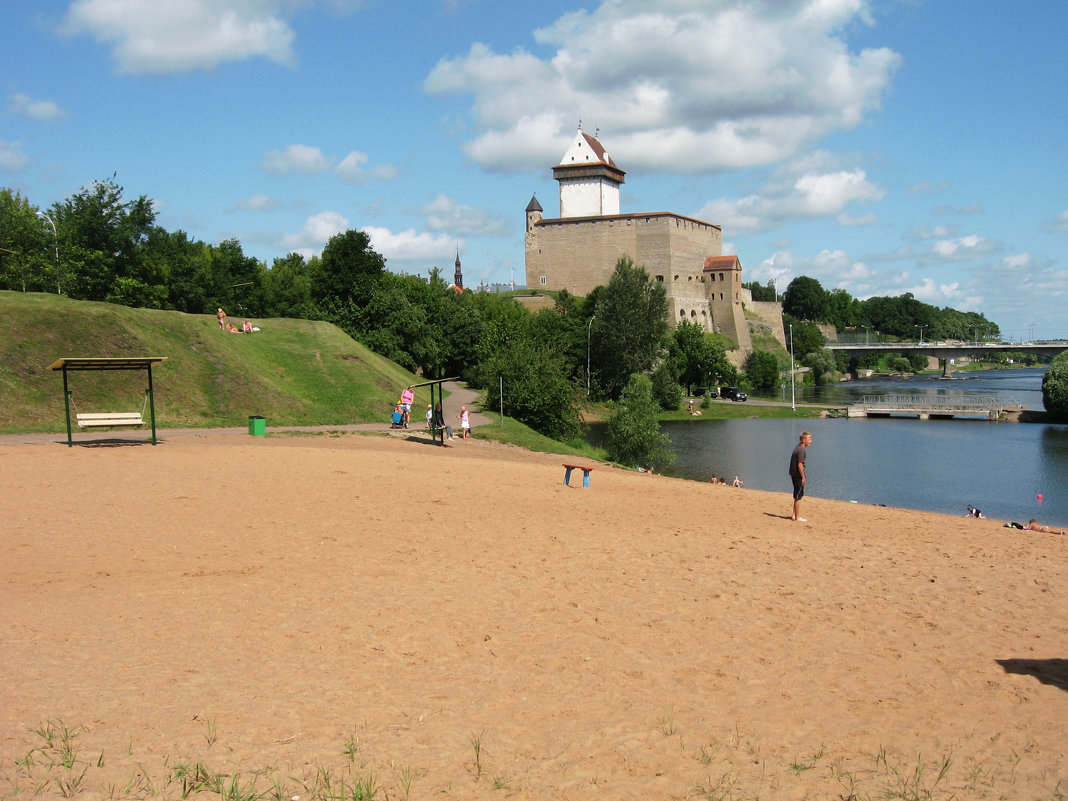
(257, 425)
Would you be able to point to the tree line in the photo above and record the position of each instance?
(104, 247)
(614, 345)
(899, 317)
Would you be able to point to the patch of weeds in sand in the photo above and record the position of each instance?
(668, 725)
(53, 759)
(191, 778)
(212, 733)
(404, 780)
(800, 766)
(352, 746)
(912, 782)
(476, 743)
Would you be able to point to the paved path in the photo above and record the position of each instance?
(459, 396)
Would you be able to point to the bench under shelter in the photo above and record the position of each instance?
(108, 419)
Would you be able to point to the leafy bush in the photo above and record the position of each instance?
(1055, 386)
(633, 433)
(762, 370)
(666, 389)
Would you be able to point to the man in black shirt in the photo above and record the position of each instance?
(797, 473)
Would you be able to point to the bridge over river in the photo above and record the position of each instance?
(927, 406)
(948, 351)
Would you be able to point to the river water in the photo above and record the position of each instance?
(932, 465)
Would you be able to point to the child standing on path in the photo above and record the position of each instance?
(465, 421)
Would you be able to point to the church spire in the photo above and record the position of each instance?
(458, 276)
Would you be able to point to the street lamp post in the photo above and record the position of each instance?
(589, 330)
(921, 333)
(867, 330)
(793, 401)
(55, 234)
(1030, 332)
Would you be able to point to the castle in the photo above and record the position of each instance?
(578, 250)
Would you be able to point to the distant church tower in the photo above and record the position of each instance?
(589, 179)
(458, 276)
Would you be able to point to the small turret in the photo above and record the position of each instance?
(534, 213)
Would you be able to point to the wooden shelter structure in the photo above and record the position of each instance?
(108, 419)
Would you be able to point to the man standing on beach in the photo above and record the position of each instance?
(797, 473)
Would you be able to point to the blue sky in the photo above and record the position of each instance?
(881, 147)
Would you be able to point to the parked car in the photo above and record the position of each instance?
(732, 393)
(700, 392)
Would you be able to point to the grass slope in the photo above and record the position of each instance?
(293, 372)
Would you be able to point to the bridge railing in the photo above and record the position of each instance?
(920, 401)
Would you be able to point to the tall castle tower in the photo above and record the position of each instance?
(589, 179)
(578, 250)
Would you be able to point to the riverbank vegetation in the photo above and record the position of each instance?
(1055, 387)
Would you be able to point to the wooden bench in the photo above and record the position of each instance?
(108, 419)
(585, 473)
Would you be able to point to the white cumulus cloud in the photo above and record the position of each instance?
(445, 214)
(1058, 223)
(410, 245)
(22, 105)
(963, 248)
(811, 188)
(316, 232)
(173, 36)
(296, 158)
(686, 86)
(12, 159)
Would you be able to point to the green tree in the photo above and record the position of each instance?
(536, 389)
(287, 288)
(631, 328)
(805, 336)
(898, 364)
(1055, 386)
(761, 368)
(348, 269)
(666, 389)
(822, 364)
(805, 299)
(633, 430)
(100, 239)
(27, 249)
(695, 354)
(760, 292)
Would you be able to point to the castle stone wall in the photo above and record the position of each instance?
(578, 254)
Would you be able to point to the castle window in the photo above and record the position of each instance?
(689, 278)
(693, 315)
(676, 277)
(682, 313)
(543, 281)
(660, 279)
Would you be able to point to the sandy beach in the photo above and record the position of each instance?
(293, 611)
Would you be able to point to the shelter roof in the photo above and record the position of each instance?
(106, 362)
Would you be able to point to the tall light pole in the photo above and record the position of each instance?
(793, 401)
(1030, 332)
(55, 234)
(921, 333)
(867, 330)
(589, 330)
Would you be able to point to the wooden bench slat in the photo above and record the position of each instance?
(108, 419)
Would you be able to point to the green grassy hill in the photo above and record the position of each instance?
(293, 372)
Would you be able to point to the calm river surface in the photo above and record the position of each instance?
(933, 465)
